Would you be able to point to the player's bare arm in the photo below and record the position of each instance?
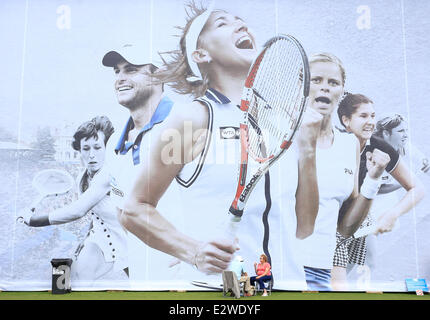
(76, 210)
(415, 193)
(140, 215)
(307, 196)
(357, 206)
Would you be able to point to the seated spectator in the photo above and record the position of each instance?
(263, 273)
(237, 266)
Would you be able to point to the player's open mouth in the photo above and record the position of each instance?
(323, 100)
(244, 42)
(124, 88)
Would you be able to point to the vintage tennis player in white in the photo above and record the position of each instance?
(104, 248)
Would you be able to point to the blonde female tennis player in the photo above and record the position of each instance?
(338, 164)
(216, 51)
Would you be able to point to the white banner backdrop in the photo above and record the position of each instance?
(54, 81)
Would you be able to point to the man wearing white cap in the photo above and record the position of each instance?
(137, 91)
(238, 267)
(126, 149)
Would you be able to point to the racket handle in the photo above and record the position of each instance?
(365, 231)
(236, 212)
(36, 202)
(234, 217)
(230, 228)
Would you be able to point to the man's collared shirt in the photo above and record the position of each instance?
(160, 114)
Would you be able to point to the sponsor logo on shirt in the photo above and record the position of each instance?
(118, 192)
(114, 188)
(229, 133)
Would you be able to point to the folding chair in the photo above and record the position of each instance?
(230, 283)
(267, 283)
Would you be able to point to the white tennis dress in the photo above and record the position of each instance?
(209, 185)
(106, 231)
(336, 169)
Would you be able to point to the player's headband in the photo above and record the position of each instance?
(389, 122)
(191, 39)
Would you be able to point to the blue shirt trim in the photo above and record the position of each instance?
(160, 114)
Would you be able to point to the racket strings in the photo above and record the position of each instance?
(283, 93)
(274, 127)
(276, 104)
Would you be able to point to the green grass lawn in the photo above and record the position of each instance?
(204, 295)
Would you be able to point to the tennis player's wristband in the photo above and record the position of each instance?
(370, 187)
(39, 221)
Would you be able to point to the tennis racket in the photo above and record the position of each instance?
(207, 285)
(273, 101)
(50, 182)
(362, 232)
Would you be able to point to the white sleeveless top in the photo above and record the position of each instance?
(336, 169)
(209, 186)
